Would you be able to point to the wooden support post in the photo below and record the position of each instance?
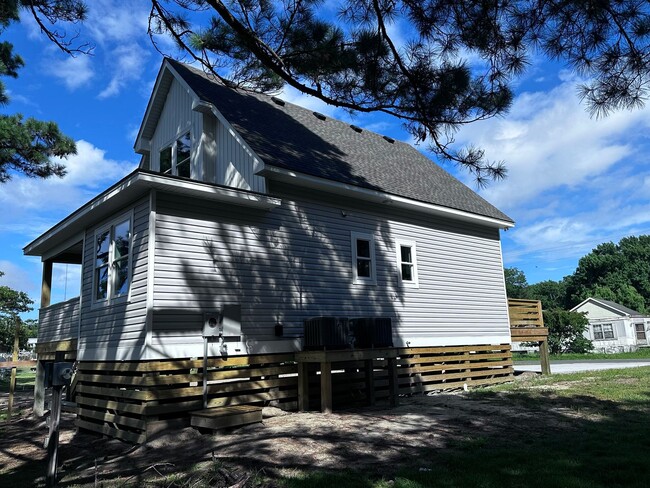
(303, 386)
(544, 357)
(53, 439)
(326, 387)
(46, 286)
(12, 387)
(370, 381)
(393, 386)
(14, 358)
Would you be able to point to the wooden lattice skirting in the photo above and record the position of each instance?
(135, 401)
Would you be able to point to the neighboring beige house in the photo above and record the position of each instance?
(614, 327)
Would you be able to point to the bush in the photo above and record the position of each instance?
(565, 331)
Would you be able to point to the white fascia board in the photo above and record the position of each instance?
(130, 188)
(379, 197)
(209, 191)
(150, 104)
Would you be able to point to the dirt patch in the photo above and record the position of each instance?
(376, 438)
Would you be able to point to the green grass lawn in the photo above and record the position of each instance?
(24, 380)
(586, 430)
(640, 354)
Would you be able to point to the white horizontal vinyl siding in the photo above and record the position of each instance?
(59, 322)
(294, 262)
(107, 331)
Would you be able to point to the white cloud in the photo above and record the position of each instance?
(121, 21)
(73, 72)
(548, 141)
(127, 64)
(89, 171)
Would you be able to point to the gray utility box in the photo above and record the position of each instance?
(225, 322)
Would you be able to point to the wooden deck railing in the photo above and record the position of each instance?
(527, 325)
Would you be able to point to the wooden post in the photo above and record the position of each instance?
(53, 439)
(303, 386)
(46, 286)
(14, 358)
(544, 357)
(393, 386)
(39, 390)
(326, 387)
(370, 381)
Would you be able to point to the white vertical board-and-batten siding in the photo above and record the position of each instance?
(118, 330)
(219, 155)
(295, 262)
(176, 119)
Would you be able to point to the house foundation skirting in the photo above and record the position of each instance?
(136, 400)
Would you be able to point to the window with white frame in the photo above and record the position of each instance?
(603, 331)
(175, 158)
(407, 267)
(112, 260)
(639, 328)
(364, 268)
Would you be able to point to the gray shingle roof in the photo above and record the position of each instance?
(618, 306)
(293, 138)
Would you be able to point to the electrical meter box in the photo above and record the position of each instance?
(225, 322)
(58, 374)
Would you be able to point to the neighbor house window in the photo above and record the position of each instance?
(640, 331)
(603, 331)
(112, 260)
(175, 158)
(363, 258)
(407, 268)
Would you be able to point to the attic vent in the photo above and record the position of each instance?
(278, 101)
(356, 129)
(390, 139)
(319, 115)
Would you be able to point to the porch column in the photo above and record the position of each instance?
(39, 390)
(46, 286)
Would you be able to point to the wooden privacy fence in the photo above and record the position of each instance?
(527, 325)
(135, 400)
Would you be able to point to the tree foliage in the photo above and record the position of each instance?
(28, 146)
(410, 59)
(618, 272)
(516, 284)
(27, 329)
(565, 331)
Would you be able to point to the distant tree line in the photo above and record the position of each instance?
(617, 272)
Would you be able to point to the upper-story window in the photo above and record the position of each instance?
(364, 269)
(112, 260)
(175, 158)
(407, 266)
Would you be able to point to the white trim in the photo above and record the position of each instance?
(110, 225)
(602, 330)
(81, 284)
(375, 196)
(399, 243)
(151, 253)
(354, 237)
(600, 304)
(131, 187)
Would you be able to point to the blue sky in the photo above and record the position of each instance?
(573, 182)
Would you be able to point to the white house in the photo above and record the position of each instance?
(614, 327)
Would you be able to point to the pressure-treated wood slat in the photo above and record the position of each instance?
(112, 418)
(105, 429)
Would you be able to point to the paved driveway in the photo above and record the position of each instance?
(576, 366)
